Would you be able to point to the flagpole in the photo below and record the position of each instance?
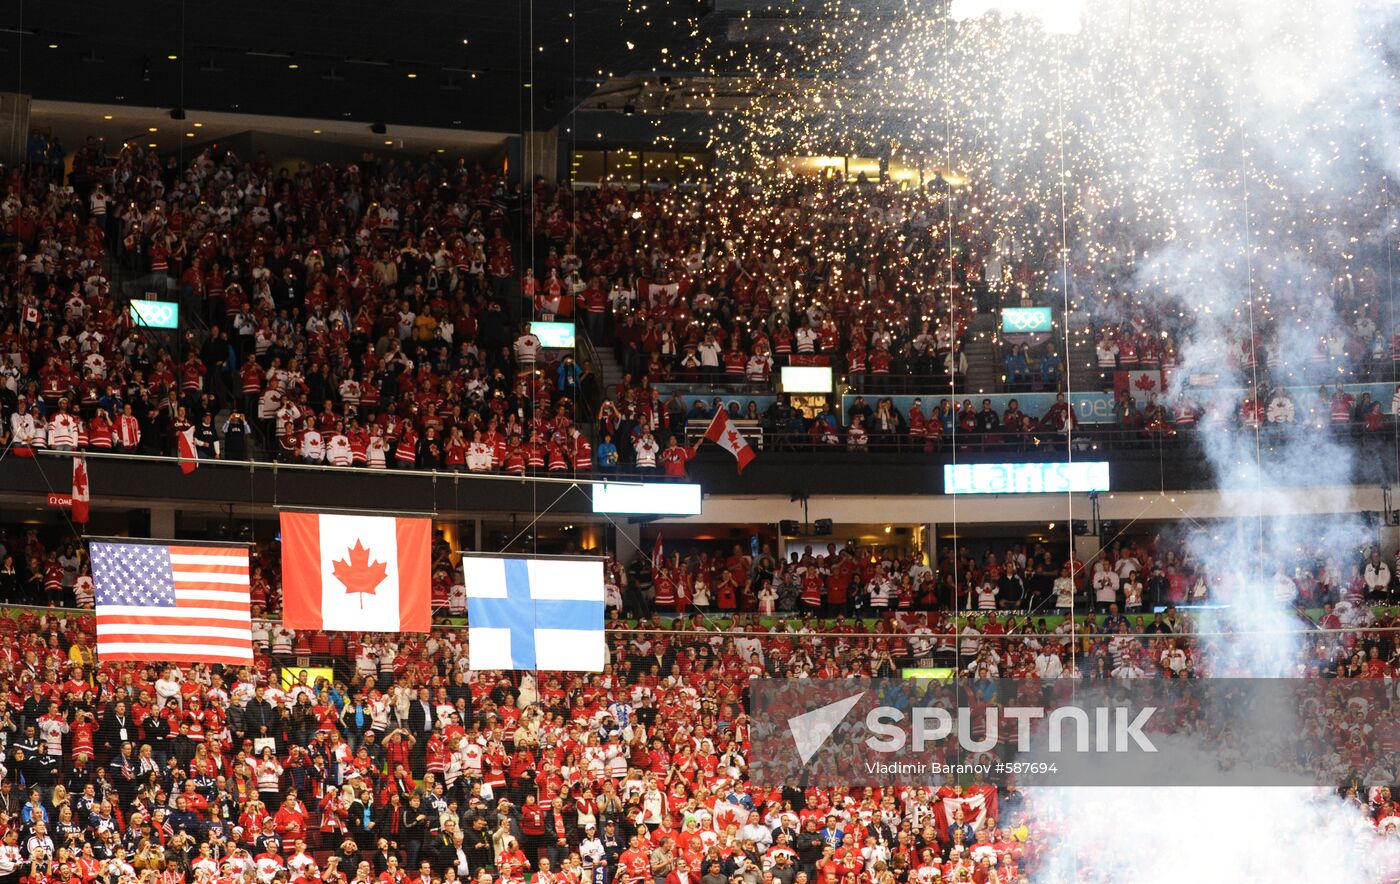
(557, 557)
(353, 511)
(160, 541)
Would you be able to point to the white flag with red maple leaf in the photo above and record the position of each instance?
(80, 490)
(1141, 385)
(356, 573)
(723, 432)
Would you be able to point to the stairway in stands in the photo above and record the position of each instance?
(1082, 363)
(983, 359)
(608, 369)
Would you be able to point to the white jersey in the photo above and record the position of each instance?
(338, 451)
(478, 457)
(375, 451)
(646, 452)
(312, 447)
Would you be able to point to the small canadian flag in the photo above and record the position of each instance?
(80, 490)
(723, 432)
(189, 460)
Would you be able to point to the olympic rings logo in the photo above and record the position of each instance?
(1025, 319)
(155, 314)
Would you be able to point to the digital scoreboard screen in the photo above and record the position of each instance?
(1025, 478)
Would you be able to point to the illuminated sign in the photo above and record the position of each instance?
(651, 498)
(939, 673)
(1025, 478)
(155, 314)
(806, 378)
(1026, 320)
(556, 335)
(290, 676)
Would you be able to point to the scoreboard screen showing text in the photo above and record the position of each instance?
(1025, 478)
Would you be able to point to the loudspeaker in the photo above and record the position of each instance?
(821, 526)
(789, 528)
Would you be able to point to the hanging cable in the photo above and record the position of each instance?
(1070, 416)
(949, 27)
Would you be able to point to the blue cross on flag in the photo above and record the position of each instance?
(535, 613)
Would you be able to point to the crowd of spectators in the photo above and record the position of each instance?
(375, 314)
(352, 314)
(399, 764)
(340, 757)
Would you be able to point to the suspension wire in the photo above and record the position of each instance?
(1070, 414)
(949, 28)
(1390, 324)
(21, 141)
(181, 141)
(1257, 567)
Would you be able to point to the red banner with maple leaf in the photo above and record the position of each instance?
(1141, 385)
(356, 573)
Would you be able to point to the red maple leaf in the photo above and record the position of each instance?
(359, 574)
(80, 480)
(1145, 383)
(733, 438)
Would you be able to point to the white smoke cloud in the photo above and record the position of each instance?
(1262, 124)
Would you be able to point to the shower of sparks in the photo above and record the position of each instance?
(1054, 138)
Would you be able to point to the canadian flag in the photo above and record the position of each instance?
(664, 294)
(189, 461)
(1141, 385)
(356, 573)
(80, 490)
(727, 814)
(973, 807)
(723, 432)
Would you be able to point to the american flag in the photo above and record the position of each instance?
(185, 604)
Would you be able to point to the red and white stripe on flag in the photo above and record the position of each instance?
(186, 604)
(80, 490)
(356, 573)
(723, 432)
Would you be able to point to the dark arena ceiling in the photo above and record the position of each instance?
(437, 63)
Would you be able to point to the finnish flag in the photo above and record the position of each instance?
(532, 614)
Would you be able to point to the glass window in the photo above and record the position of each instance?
(624, 166)
(858, 166)
(660, 166)
(587, 166)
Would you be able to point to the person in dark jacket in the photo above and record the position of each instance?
(206, 438)
(236, 431)
(480, 853)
